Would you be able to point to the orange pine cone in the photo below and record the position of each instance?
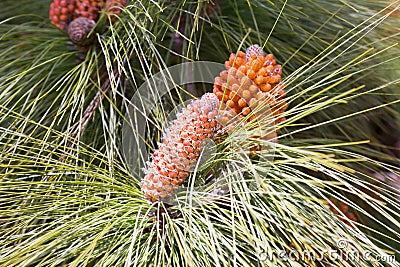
(252, 80)
(91, 9)
(88, 9)
(180, 148)
(251, 88)
(61, 13)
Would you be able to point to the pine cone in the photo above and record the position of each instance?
(251, 88)
(251, 80)
(92, 8)
(61, 13)
(180, 148)
(79, 29)
(88, 8)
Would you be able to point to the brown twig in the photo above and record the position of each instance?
(81, 124)
(76, 130)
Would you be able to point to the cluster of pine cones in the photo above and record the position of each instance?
(78, 17)
(250, 83)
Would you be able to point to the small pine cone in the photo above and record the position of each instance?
(88, 8)
(79, 29)
(61, 13)
(180, 149)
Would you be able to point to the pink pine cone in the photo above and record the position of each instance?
(79, 29)
(181, 148)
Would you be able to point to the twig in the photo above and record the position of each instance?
(76, 130)
(81, 124)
